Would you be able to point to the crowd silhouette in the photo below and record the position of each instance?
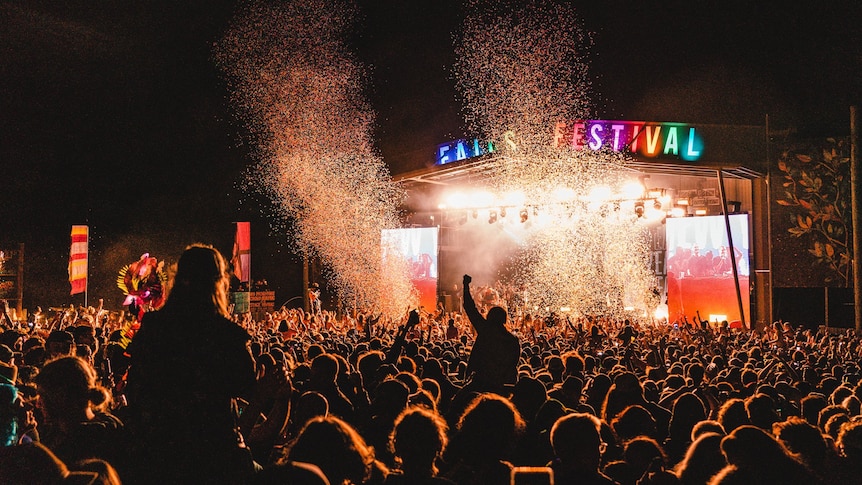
(198, 395)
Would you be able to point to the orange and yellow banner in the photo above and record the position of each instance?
(78, 259)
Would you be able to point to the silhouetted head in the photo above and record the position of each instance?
(576, 440)
(497, 316)
(418, 439)
(67, 386)
(751, 447)
(201, 282)
(335, 447)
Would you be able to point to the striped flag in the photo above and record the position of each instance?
(78, 259)
(241, 259)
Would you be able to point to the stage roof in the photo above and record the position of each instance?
(474, 171)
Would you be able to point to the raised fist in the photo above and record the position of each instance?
(413, 319)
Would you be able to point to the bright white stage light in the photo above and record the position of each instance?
(632, 190)
(599, 193)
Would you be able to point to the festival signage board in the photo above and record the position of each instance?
(261, 301)
(457, 150)
(673, 142)
(240, 302)
(650, 139)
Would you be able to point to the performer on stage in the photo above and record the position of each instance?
(314, 298)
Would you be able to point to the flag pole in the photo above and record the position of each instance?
(87, 269)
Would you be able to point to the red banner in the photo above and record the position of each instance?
(78, 259)
(241, 260)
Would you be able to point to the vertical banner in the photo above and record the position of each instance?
(241, 259)
(78, 259)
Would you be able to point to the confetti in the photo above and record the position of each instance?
(300, 88)
(523, 67)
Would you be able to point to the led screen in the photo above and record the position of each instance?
(699, 268)
(418, 246)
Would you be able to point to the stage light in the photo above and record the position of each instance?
(481, 198)
(700, 212)
(456, 200)
(599, 194)
(492, 217)
(639, 208)
(657, 205)
(524, 215)
(514, 198)
(502, 212)
(677, 212)
(632, 190)
(682, 202)
(655, 193)
(475, 214)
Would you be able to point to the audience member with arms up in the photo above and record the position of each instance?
(494, 359)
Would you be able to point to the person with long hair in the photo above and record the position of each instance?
(755, 456)
(487, 435)
(418, 440)
(76, 425)
(189, 362)
(335, 447)
(702, 460)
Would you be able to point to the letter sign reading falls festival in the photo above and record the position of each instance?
(455, 151)
(649, 139)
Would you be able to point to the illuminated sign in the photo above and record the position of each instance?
(455, 151)
(646, 138)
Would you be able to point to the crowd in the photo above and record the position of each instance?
(196, 395)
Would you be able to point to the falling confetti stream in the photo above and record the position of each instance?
(301, 90)
(523, 66)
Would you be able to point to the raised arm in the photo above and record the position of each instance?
(476, 318)
(395, 350)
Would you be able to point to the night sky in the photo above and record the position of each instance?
(114, 114)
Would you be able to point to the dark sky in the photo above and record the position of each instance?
(114, 114)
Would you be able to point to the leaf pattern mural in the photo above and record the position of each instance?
(811, 186)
